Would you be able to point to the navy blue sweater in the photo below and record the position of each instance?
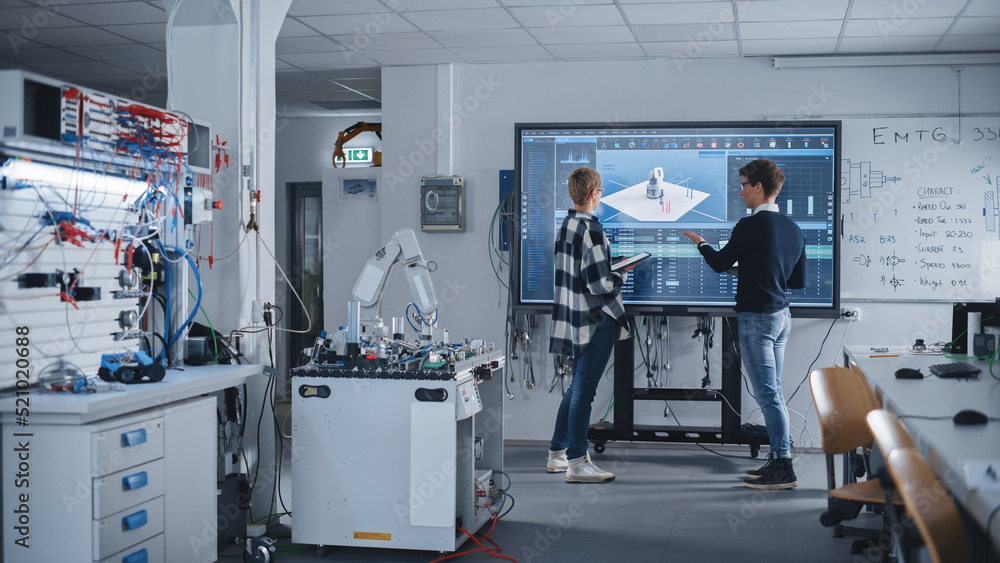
(771, 252)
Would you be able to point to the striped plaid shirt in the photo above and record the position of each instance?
(585, 287)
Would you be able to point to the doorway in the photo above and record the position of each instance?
(306, 264)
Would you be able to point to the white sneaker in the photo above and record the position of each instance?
(557, 462)
(582, 470)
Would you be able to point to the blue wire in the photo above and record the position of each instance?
(166, 281)
(197, 303)
(407, 313)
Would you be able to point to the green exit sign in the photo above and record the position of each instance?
(357, 156)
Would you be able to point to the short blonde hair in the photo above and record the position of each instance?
(581, 182)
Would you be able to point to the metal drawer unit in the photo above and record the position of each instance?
(136, 488)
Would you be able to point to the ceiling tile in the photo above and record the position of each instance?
(508, 54)
(140, 32)
(372, 84)
(129, 85)
(686, 32)
(790, 30)
(970, 43)
(118, 12)
(303, 81)
(119, 52)
(577, 35)
(314, 44)
(340, 94)
(788, 10)
(454, 20)
(49, 3)
(886, 28)
(156, 68)
(687, 49)
(596, 52)
(483, 38)
(44, 55)
(557, 3)
(311, 61)
(901, 44)
(292, 27)
(568, 15)
(351, 73)
(388, 41)
(759, 47)
(328, 8)
(368, 24)
(26, 21)
(981, 25)
(419, 5)
(78, 36)
(982, 8)
(679, 12)
(898, 11)
(14, 43)
(79, 69)
(416, 57)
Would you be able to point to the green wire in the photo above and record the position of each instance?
(489, 244)
(214, 340)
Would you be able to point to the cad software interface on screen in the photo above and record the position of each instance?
(660, 182)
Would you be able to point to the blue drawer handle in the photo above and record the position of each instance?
(135, 520)
(141, 556)
(137, 481)
(134, 437)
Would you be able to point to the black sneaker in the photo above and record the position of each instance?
(779, 475)
(758, 473)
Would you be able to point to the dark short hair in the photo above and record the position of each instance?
(767, 174)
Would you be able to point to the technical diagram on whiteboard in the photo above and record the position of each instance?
(859, 179)
(891, 261)
(893, 281)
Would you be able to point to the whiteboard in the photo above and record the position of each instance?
(919, 202)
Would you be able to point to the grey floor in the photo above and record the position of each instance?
(667, 504)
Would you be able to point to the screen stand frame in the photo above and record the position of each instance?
(624, 428)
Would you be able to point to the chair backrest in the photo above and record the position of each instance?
(928, 503)
(841, 404)
(889, 434)
(868, 386)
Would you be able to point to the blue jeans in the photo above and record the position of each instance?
(573, 417)
(762, 346)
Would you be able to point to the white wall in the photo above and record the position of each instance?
(487, 101)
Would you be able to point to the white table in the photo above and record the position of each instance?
(946, 445)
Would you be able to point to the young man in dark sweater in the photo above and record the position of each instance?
(770, 250)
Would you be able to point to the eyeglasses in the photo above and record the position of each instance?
(743, 184)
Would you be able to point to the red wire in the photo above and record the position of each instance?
(494, 551)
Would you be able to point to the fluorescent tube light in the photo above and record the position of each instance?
(919, 59)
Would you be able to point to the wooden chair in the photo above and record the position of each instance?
(929, 505)
(842, 403)
(888, 432)
(868, 386)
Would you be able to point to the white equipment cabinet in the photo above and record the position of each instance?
(396, 459)
(116, 477)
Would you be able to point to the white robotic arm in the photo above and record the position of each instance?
(401, 248)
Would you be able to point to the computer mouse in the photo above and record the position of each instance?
(969, 416)
(908, 373)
